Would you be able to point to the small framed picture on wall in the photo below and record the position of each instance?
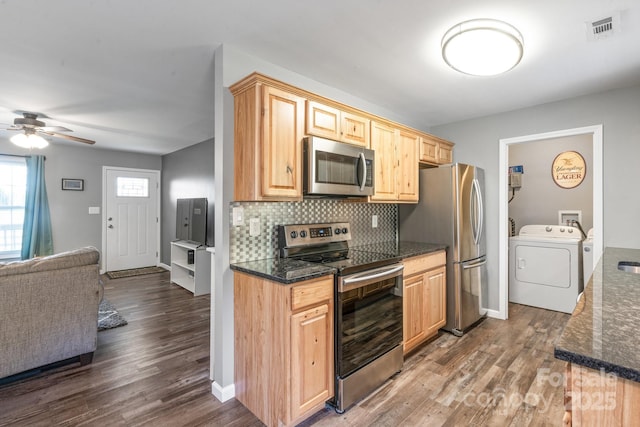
(73, 184)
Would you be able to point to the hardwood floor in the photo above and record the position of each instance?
(155, 371)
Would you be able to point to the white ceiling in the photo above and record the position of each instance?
(138, 75)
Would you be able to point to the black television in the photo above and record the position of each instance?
(191, 220)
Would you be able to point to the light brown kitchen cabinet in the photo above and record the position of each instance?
(271, 119)
(435, 151)
(384, 145)
(407, 146)
(283, 347)
(269, 127)
(396, 163)
(330, 122)
(595, 398)
(424, 298)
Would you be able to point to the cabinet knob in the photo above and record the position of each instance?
(289, 170)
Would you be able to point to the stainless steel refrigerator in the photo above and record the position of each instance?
(451, 211)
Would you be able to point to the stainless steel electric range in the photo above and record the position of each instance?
(368, 306)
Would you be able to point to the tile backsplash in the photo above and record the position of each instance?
(244, 247)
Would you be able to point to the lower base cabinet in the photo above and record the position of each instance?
(424, 298)
(283, 347)
(595, 398)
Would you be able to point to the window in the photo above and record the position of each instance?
(13, 189)
(132, 187)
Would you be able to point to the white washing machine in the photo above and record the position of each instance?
(545, 267)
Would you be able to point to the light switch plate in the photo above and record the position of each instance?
(94, 210)
(238, 216)
(374, 221)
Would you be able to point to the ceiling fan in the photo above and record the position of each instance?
(31, 129)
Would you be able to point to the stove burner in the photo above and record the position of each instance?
(326, 257)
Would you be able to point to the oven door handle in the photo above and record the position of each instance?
(348, 282)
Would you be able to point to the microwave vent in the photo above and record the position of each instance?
(604, 27)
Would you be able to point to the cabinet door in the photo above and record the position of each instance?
(355, 129)
(383, 142)
(428, 150)
(414, 316)
(323, 120)
(282, 132)
(445, 154)
(436, 294)
(311, 359)
(407, 174)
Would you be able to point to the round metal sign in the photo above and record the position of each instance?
(568, 169)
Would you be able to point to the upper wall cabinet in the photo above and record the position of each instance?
(435, 151)
(396, 165)
(272, 118)
(333, 123)
(269, 127)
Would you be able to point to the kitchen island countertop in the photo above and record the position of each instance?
(604, 329)
(287, 271)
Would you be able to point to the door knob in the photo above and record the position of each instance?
(109, 219)
(110, 225)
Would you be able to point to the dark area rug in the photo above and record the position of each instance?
(118, 274)
(108, 316)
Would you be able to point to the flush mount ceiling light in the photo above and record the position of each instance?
(29, 140)
(482, 47)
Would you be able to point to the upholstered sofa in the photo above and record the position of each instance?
(49, 310)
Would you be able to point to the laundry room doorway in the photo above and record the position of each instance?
(545, 194)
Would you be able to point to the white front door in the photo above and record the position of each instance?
(130, 218)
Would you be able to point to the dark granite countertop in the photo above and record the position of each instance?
(604, 329)
(284, 270)
(289, 271)
(402, 249)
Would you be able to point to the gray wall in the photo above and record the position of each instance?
(186, 173)
(72, 225)
(477, 142)
(539, 198)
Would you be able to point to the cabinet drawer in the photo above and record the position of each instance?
(311, 293)
(423, 263)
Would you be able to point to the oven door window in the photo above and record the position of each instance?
(369, 323)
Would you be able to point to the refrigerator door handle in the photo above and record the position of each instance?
(481, 209)
(474, 265)
(474, 211)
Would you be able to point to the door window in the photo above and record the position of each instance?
(132, 187)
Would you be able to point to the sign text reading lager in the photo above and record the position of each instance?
(568, 169)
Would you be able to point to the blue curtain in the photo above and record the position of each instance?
(36, 231)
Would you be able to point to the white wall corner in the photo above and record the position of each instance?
(496, 314)
(223, 393)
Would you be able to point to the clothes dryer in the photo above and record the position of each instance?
(545, 267)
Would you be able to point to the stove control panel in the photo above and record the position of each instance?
(309, 234)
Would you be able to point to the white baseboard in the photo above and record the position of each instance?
(165, 266)
(223, 393)
(496, 314)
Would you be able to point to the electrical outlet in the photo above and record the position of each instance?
(374, 221)
(238, 216)
(254, 227)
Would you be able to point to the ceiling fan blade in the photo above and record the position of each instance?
(55, 129)
(72, 138)
(13, 127)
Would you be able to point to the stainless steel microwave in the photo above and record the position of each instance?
(336, 169)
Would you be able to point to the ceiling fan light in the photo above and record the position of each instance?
(482, 47)
(29, 140)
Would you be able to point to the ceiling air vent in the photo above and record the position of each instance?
(603, 28)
